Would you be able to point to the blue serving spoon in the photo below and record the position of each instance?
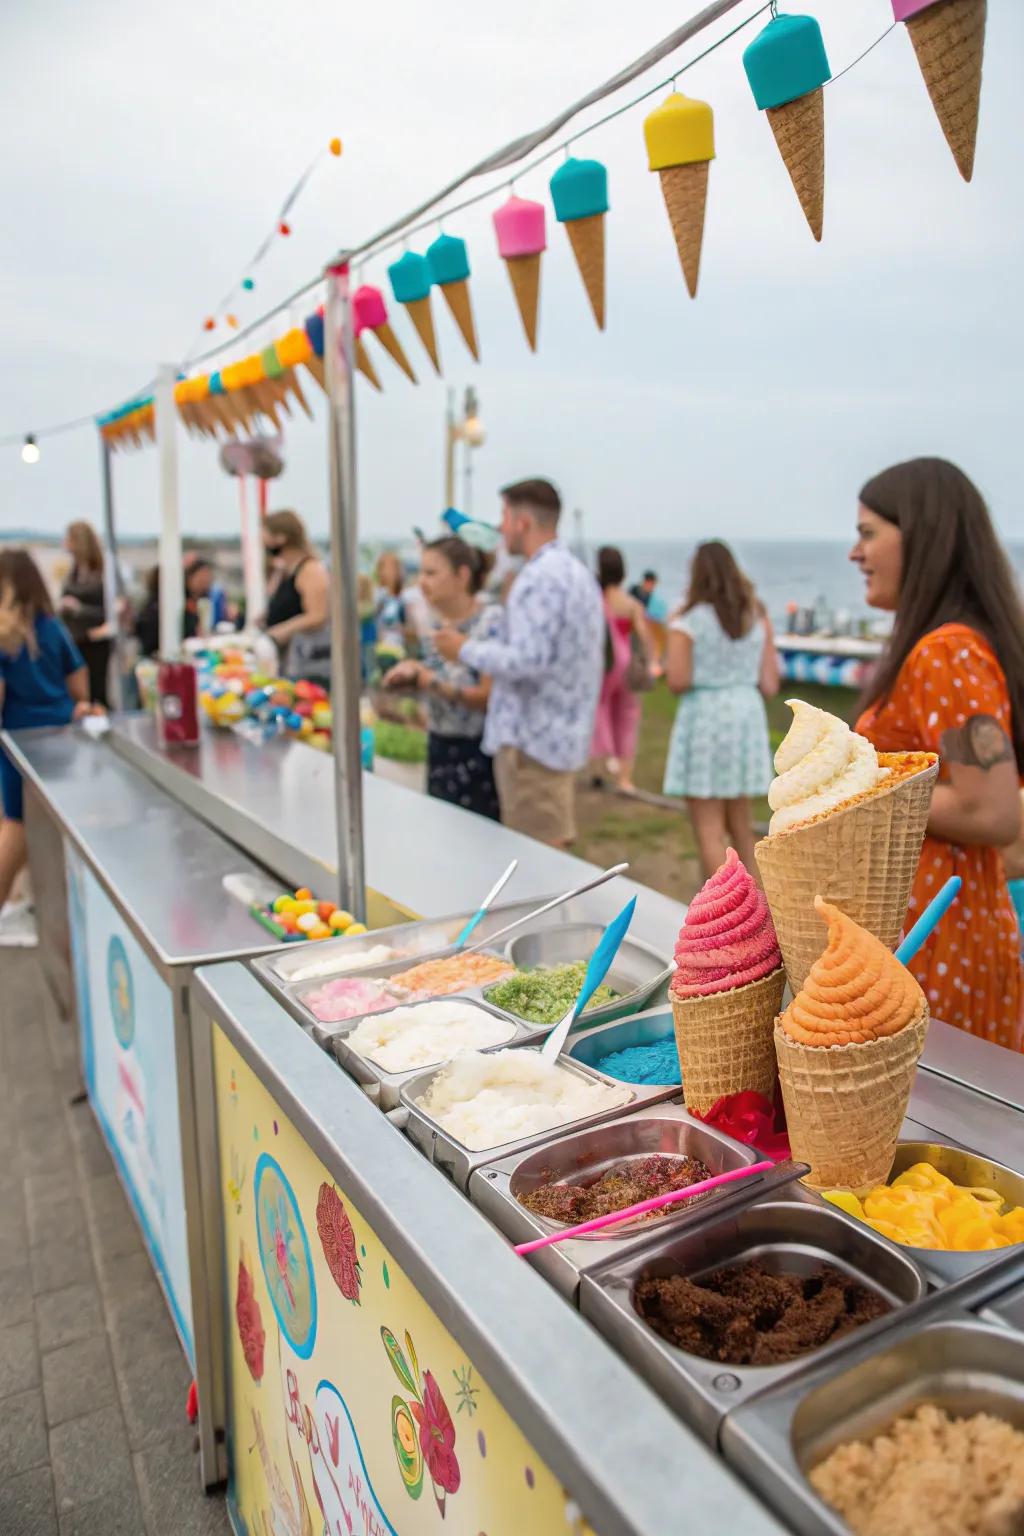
(485, 906)
(597, 969)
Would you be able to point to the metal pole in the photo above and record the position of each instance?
(450, 436)
(172, 576)
(113, 587)
(346, 680)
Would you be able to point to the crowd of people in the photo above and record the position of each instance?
(529, 675)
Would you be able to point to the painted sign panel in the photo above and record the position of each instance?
(126, 1019)
(353, 1411)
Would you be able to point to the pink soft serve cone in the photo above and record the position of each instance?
(727, 990)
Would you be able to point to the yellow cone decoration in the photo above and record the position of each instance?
(787, 66)
(680, 137)
(949, 40)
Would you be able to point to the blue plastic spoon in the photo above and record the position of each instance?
(929, 920)
(597, 969)
(484, 907)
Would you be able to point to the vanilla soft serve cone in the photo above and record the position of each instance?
(848, 1047)
(726, 990)
(848, 824)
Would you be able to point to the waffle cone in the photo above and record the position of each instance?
(393, 347)
(315, 366)
(422, 317)
(845, 1104)
(292, 380)
(949, 39)
(685, 190)
(524, 272)
(364, 364)
(456, 296)
(799, 129)
(725, 1041)
(862, 858)
(586, 236)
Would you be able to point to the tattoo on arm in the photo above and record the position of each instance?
(980, 742)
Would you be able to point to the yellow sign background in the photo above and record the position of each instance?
(352, 1409)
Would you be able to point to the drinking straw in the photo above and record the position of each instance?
(599, 1222)
(930, 918)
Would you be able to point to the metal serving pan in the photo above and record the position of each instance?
(646, 1028)
(636, 974)
(957, 1363)
(460, 1162)
(963, 1167)
(582, 1157)
(1007, 1309)
(386, 1086)
(789, 1235)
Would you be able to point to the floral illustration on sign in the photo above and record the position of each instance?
(285, 1256)
(422, 1429)
(236, 1183)
(465, 1390)
(338, 1242)
(249, 1319)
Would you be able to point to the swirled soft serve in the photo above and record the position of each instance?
(820, 764)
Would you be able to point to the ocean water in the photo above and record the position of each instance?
(798, 571)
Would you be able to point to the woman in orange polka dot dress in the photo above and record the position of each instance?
(952, 681)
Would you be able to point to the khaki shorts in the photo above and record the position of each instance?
(540, 802)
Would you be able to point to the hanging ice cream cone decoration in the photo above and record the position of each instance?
(949, 40)
(519, 225)
(579, 191)
(680, 138)
(292, 380)
(787, 66)
(448, 260)
(370, 313)
(410, 283)
(315, 335)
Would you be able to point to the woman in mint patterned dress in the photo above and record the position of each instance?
(721, 658)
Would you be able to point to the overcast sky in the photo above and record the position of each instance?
(148, 147)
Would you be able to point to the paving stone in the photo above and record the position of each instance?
(22, 1433)
(111, 1219)
(154, 1392)
(126, 1279)
(16, 1296)
(26, 1504)
(173, 1502)
(140, 1329)
(90, 1459)
(19, 1360)
(63, 1316)
(77, 1379)
(54, 1206)
(61, 1262)
(118, 1514)
(90, 1148)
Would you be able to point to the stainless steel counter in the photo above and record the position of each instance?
(629, 1463)
(162, 867)
(425, 856)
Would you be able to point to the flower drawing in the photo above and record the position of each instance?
(437, 1436)
(249, 1320)
(338, 1242)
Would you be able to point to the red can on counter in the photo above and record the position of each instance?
(177, 704)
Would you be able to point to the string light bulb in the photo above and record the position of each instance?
(335, 147)
(248, 284)
(30, 450)
(284, 228)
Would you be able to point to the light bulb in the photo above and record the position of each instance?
(473, 431)
(30, 450)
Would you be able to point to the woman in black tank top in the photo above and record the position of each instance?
(298, 613)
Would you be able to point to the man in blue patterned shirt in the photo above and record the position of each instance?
(546, 670)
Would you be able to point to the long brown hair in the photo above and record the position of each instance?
(289, 528)
(462, 556)
(84, 547)
(23, 597)
(954, 570)
(715, 578)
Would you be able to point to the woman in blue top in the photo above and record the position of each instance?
(43, 681)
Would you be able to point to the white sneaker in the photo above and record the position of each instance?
(18, 926)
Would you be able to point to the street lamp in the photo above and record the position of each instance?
(30, 450)
(470, 432)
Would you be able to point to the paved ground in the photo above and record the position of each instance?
(93, 1435)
